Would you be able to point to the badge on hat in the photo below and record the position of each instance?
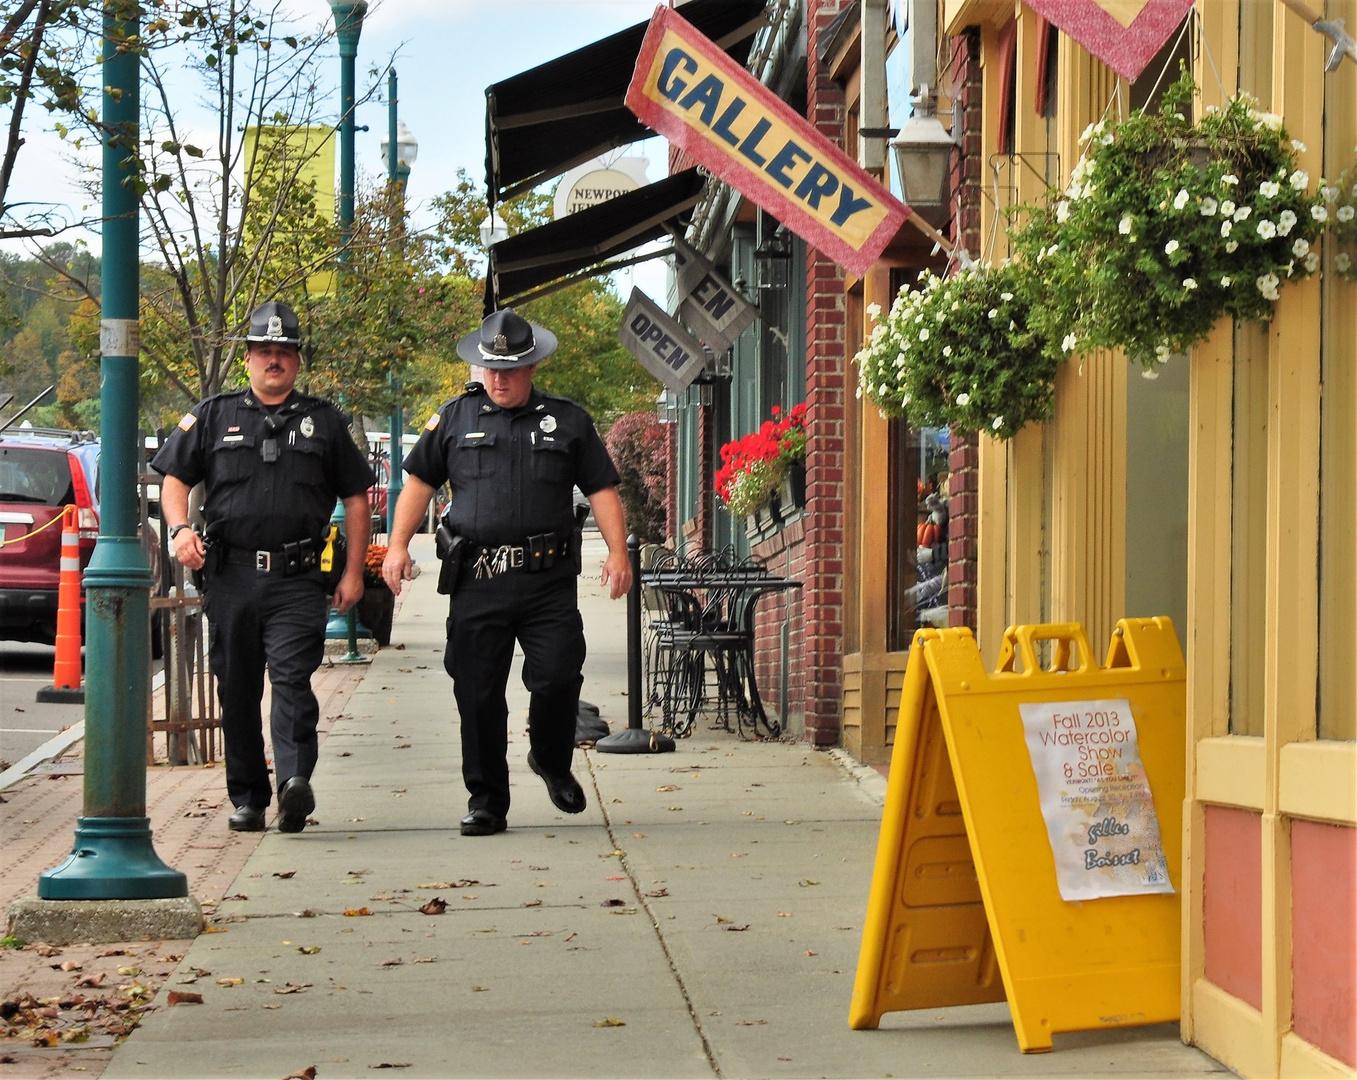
(275, 326)
(548, 424)
(307, 427)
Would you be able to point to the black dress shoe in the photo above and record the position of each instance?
(565, 791)
(246, 819)
(482, 823)
(295, 802)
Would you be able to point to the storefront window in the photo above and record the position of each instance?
(918, 532)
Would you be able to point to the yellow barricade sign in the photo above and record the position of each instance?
(1031, 841)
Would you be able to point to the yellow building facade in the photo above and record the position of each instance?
(1223, 494)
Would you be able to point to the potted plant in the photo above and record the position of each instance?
(378, 605)
(1168, 224)
(960, 352)
(754, 467)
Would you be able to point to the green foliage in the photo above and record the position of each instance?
(1167, 225)
(962, 352)
(9, 941)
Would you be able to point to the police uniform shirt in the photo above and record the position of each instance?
(512, 471)
(264, 505)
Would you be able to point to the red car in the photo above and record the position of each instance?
(41, 472)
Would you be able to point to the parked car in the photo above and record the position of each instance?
(41, 472)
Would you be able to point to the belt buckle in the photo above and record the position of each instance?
(263, 561)
(516, 558)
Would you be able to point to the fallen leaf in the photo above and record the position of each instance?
(129, 971)
(391, 1065)
(308, 950)
(292, 988)
(638, 835)
(738, 854)
(217, 930)
(533, 903)
(358, 911)
(737, 929)
(423, 959)
(464, 883)
(811, 952)
(784, 914)
(100, 955)
(667, 787)
(68, 965)
(230, 982)
(658, 892)
(749, 1023)
(307, 913)
(614, 902)
(395, 961)
(436, 906)
(238, 896)
(308, 1073)
(807, 882)
(479, 989)
(609, 1021)
(285, 874)
(616, 877)
(722, 918)
(183, 997)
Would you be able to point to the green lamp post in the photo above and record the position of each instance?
(113, 857)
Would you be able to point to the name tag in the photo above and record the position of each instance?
(232, 438)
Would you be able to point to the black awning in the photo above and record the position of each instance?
(586, 238)
(553, 117)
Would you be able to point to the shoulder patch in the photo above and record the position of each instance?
(188, 421)
(432, 423)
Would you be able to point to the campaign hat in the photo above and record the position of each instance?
(274, 322)
(506, 341)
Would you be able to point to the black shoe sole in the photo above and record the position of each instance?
(295, 803)
(553, 783)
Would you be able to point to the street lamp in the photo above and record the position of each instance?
(493, 230)
(348, 27)
(923, 159)
(407, 148)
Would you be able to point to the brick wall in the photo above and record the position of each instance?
(963, 523)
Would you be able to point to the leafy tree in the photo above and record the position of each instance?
(637, 445)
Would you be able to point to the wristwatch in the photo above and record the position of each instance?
(176, 530)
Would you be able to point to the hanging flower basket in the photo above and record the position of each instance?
(960, 352)
(1167, 225)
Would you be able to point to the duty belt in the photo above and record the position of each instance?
(538, 552)
(290, 559)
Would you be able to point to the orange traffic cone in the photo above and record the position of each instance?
(67, 676)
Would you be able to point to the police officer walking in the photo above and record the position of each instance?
(273, 462)
(513, 456)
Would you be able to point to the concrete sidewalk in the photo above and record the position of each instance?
(701, 918)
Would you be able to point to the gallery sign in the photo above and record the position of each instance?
(708, 302)
(691, 92)
(663, 347)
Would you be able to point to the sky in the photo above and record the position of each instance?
(446, 52)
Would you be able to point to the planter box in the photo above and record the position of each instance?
(375, 611)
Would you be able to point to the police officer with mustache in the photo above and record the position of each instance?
(513, 456)
(273, 462)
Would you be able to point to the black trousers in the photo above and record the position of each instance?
(259, 621)
(541, 612)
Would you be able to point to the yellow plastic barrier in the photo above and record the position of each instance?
(965, 893)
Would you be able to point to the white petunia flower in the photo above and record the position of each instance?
(963, 399)
(1311, 261)
(873, 310)
(1208, 206)
(1286, 221)
(1269, 189)
(1243, 213)
(1170, 247)
(1300, 248)
(1300, 179)
(1298, 146)
(1226, 282)
(1006, 296)
(999, 420)
(947, 350)
(1062, 211)
(1226, 227)
(1343, 261)
(1149, 373)
(1180, 200)
(923, 334)
(956, 305)
(1189, 283)
(1266, 229)
(1229, 178)
(1161, 352)
(1231, 246)
(1329, 193)
(1227, 208)
(1345, 214)
(1267, 285)
(1319, 213)
(1012, 325)
(1126, 224)
(1069, 343)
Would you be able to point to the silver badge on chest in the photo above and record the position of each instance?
(548, 423)
(307, 427)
